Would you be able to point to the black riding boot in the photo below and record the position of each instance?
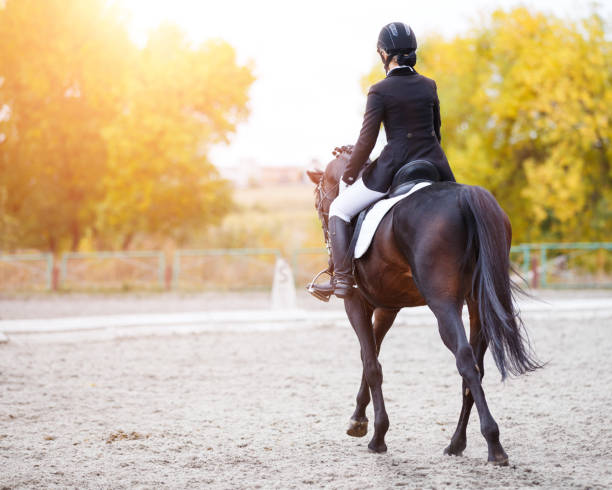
(340, 233)
(342, 282)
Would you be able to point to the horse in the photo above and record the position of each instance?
(446, 244)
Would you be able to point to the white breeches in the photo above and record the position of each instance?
(352, 200)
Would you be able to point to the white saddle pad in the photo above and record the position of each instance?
(375, 216)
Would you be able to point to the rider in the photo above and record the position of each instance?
(407, 104)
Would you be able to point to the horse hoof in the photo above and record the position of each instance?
(378, 448)
(357, 428)
(503, 461)
(450, 451)
(498, 458)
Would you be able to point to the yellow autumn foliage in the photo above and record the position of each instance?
(526, 103)
(102, 140)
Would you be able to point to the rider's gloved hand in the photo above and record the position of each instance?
(348, 178)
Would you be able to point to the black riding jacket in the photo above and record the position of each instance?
(407, 104)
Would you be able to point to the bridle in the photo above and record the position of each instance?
(340, 152)
(324, 196)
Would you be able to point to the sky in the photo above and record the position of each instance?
(308, 58)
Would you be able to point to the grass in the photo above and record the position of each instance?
(274, 216)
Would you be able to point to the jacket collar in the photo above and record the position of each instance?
(401, 71)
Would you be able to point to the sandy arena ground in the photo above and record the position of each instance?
(268, 409)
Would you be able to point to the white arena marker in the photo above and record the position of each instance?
(3, 338)
(283, 287)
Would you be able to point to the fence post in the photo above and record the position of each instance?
(168, 277)
(49, 272)
(161, 272)
(63, 269)
(535, 280)
(56, 277)
(601, 260)
(543, 281)
(176, 268)
(526, 259)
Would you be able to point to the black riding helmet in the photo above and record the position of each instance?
(397, 38)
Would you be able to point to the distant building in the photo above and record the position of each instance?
(289, 174)
(249, 173)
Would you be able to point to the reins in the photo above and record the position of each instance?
(339, 152)
(323, 216)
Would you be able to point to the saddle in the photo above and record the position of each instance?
(410, 173)
(404, 181)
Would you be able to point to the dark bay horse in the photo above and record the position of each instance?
(445, 245)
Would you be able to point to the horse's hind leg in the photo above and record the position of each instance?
(479, 346)
(358, 424)
(360, 317)
(453, 335)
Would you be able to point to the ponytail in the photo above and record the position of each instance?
(406, 59)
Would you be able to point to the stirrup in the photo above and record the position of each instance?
(319, 291)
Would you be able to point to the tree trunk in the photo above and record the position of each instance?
(127, 241)
(76, 237)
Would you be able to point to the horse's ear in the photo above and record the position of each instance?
(315, 175)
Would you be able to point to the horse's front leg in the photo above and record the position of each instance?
(358, 424)
(360, 316)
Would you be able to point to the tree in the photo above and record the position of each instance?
(525, 112)
(62, 67)
(180, 100)
(100, 138)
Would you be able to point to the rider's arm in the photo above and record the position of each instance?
(436, 114)
(367, 137)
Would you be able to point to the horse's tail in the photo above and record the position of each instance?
(488, 249)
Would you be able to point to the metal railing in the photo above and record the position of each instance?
(245, 268)
(157, 269)
(544, 265)
(537, 260)
(532, 259)
(30, 264)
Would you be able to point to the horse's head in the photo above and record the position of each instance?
(327, 183)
